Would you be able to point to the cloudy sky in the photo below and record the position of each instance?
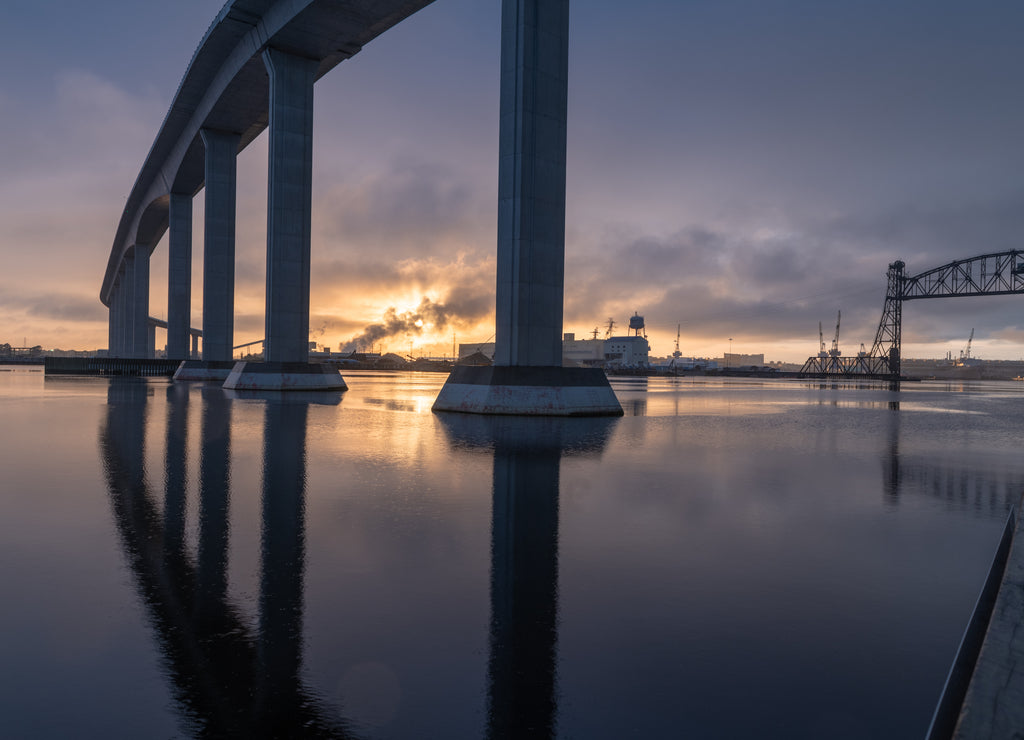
(738, 168)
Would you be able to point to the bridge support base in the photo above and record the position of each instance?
(284, 376)
(204, 370)
(528, 391)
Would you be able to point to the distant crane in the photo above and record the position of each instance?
(834, 352)
(611, 326)
(677, 354)
(821, 342)
(965, 354)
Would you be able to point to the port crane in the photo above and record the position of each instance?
(965, 354)
(834, 352)
(996, 273)
(826, 359)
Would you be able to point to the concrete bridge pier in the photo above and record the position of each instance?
(112, 327)
(218, 259)
(527, 377)
(179, 276)
(115, 328)
(286, 363)
(126, 299)
(120, 293)
(137, 273)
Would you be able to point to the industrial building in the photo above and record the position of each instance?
(628, 351)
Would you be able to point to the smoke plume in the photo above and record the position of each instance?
(392, 324)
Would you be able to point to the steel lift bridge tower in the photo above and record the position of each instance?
(999, 273)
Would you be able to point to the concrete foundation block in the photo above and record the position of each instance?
(528, 391)
(284, 376)
(204, 370)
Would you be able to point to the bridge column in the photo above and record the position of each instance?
(114, 322)
(179, 276)
(289, 206)
(527, 377)
(127, 301)
(111, 331)
(286, 363)
(121, 311)
(139, 306)
(218, 260)
(128, 334)
(531, 182)
(219, 245)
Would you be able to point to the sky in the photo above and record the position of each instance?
(738, 171)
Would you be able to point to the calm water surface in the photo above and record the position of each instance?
(731, 559)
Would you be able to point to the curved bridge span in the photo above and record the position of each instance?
(255, 69)
(222, 104)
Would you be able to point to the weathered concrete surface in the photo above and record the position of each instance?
(179, 276)
(528, 378)
(139, 343)
(994, 706)
(289, 206)
(284, 376)
(204, 370)
(528, 391)
(219, 245)
(123, 292)
(114, 329)
(531, 182)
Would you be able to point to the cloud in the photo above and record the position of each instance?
(66, 174)
(411, 207)
(771, 283)
(63, 306)
(52, 319)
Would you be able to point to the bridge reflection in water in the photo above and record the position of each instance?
(987, 491)
(524, 557)
(230, 679)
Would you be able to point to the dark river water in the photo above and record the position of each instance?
(731, 559)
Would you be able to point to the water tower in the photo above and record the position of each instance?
(636, 325)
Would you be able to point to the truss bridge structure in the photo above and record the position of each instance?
(998, 273)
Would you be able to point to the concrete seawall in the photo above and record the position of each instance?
(993, 702)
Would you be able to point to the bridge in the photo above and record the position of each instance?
(996, 273)
(255, 69)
